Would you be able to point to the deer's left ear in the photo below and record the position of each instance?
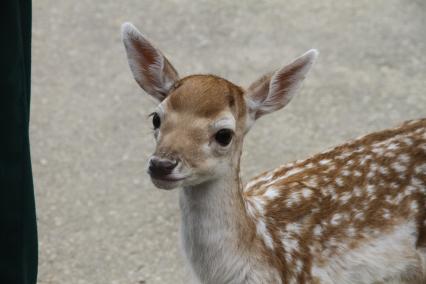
(275, 90)
(149, 66)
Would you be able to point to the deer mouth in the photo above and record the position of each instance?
(169, 181)
(169, 178)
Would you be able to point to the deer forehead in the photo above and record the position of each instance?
(205, 96)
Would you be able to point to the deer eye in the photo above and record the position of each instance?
(223, 137)
(156, 121)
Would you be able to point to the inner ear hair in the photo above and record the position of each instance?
(150, 68)
(274, 90)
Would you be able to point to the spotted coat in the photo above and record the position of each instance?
(314, 212)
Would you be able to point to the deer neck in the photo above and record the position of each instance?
(217, 204)
(219, 200)
(215, 225)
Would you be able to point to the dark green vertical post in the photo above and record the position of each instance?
(18, 231)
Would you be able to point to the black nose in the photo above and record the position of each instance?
(161, 167)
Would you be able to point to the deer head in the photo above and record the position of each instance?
(201, 120)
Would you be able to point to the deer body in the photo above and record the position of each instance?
(354, 214)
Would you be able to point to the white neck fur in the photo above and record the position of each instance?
(211, 214)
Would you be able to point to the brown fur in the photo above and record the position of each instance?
(379, 213)
(206, 96)
(299, 216)
(199, 97)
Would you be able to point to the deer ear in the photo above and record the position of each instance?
(275, 90)
(149, 66)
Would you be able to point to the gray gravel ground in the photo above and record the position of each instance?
(100, 219)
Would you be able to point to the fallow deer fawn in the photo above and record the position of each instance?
(354, 214)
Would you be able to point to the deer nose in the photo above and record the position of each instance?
(161, 166)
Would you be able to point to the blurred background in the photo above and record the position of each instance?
(100, 218)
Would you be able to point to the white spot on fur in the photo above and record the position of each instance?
(309, 166)
(420, 169)
(357, 191)
(293, 199)
(386, 214)
(370, 189)
(318, 230)
(288, 257)
(394, 185)
(336, 219)
(293, 228)
(404, 158)
(272, 193)
(311, 182)
(345, 197)
(399, 197)
(400, 168)
(330, 168)
(410, 189)
(370, 175)
(359, 149)
(339, 181)
(330, 191)
(378, 150)
(325, 162)
(414, 206)
(408, 141)
(364, 159)
(289, 243)
(292, 172)
(390, 154)
(383, 170)
(306, 193)
(416, 182)
(259, 204)
(299, 266)
(263, 232)
(359, 216)
(393, 146)
(344, 155)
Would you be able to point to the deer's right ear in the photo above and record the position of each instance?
(149, 66)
